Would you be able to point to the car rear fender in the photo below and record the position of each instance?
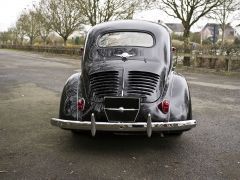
(179, 96)
(68, 103)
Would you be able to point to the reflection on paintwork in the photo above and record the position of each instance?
(140, 72)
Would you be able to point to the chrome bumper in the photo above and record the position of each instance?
(148, 126)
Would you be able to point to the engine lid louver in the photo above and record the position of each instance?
(139, 84)
(104, 84)
(142, 83)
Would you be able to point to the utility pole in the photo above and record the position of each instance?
(215, 33)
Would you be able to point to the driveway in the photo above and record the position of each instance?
(30, 148)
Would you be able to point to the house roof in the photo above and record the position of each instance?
(228, 26)
(237, 30)
(175, 27)
(212, 25)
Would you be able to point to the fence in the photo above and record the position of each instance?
(49, 49)
(227, 59)
(226, 63)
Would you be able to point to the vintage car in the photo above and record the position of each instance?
(127, 83)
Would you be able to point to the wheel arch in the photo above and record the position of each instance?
(180, 98)
(68, 103)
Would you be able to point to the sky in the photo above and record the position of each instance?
(10, 10)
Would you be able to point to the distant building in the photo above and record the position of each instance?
(176, 28)
(229, 31)
(213, 32)
(237, 31)
(210, 31)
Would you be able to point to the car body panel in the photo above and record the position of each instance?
(137, 79)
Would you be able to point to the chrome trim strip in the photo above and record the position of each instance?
(171, 95)
(123, 82)
(121, 109)
(121, 127)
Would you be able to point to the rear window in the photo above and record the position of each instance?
(113, 39)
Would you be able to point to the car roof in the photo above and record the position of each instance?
(133, 25)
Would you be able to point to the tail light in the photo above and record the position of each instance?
(164, 106)
(81, 104)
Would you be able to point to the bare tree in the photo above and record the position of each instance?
(13, 35)
(63, 16)
(97, 11)
(189, 12)
(20, 29)
(44, 24)
(4, 37)
(222, 14)
(8, 36)
(28, 24)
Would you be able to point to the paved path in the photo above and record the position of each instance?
(30, 148)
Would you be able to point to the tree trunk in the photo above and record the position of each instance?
(186, 34)
(44, 38)
(21, 41)
(223, 22)
(45, 42)
(223, 32)
(65, 41)
(31, 41)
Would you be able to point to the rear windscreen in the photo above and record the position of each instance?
(116, 39)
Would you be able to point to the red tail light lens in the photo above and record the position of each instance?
(81, 104)
(164, 106)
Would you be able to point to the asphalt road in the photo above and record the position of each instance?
(30, 148)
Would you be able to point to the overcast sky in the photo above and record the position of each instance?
(11, 9)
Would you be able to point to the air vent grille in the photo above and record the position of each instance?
(142, 83)
(104, 84)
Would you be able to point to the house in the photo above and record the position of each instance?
(210, 31)
(176, 28)
(237, 31)
(229, 31)
(213, 32)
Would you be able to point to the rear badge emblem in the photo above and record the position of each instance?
(121, 109)
(124, 56)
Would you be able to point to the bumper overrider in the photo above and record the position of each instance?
(147, 127)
